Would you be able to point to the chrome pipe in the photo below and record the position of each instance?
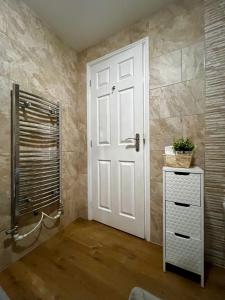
(22, 92)
(38, 170)
(37, 189)
(35, 125)
(37, 163)
(37, 178)
(36, 209)
(33, 194)
(42, 110)
(33, 101)
(34, 114)
(35, 201)
(33, 129)
(36, 204)
(36, 154)
(39, 184)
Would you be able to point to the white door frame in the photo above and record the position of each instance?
(145, 48)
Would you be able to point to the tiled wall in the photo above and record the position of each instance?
(33, 57)
(177, 103)
(215, 131)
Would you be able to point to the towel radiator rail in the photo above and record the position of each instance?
(35, 157)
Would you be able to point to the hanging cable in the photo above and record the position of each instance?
(18, 237)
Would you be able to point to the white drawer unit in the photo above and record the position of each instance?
(183, 187)
(183, 219)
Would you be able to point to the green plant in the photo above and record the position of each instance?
(183, 145)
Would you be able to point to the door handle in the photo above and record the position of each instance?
(137, 141)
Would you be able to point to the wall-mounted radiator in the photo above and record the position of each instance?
(36, 158)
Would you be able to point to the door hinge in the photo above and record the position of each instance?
(90, 82)
(144, 141)
(91, 143)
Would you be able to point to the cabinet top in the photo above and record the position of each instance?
(186, 170)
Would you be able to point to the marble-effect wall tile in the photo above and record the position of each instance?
(5, 132)
(156, 196)
(156, 165)
(180, 99)
(40, 62)
(32, 56)
(176, 26)
(165, 69)
(194, 127)
(5, 207)
(164, 131)
(193, 61)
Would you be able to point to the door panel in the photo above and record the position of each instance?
(125, 68)
(126, 189)
(103, 119)
(104, 185)
(102, 77)
(126, 114)
(117, 114)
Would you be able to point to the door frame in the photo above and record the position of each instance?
(145, 50)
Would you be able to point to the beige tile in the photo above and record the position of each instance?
(165, 69)
(169, 99)
(3, 24)
(5, 132)
(178, 25)
(180, 99)
(5, 212)
(70, 130)
(154, 103)
(193, 62)
(5, 250)
(164, 131)
(156, 196)
(4, 55)
(139, 30)
(82, 205)
(194, 127)
(31, 55)
(192, 97)
(70, 185)
(156, 229)
(156, 203)
(156, 164)
(3, 16)
(5, 96)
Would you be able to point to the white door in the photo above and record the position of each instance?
(117, 119)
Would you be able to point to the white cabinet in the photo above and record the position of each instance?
(183, 219)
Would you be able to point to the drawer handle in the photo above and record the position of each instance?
(182, 204)
(182, 173)
(182, 235)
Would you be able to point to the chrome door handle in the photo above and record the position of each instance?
(137, 141)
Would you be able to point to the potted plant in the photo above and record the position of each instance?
(183, 152)
(183, 146)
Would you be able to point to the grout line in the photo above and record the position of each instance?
(181, 75)
(179, 116)
(176, 83)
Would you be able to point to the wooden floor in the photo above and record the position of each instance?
(89, 261)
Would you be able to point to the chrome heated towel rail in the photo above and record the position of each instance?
(36, 159)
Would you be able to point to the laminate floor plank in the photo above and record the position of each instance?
(90, 261)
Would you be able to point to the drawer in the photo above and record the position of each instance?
(184, 219)
(184, 253)
(183, 188)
